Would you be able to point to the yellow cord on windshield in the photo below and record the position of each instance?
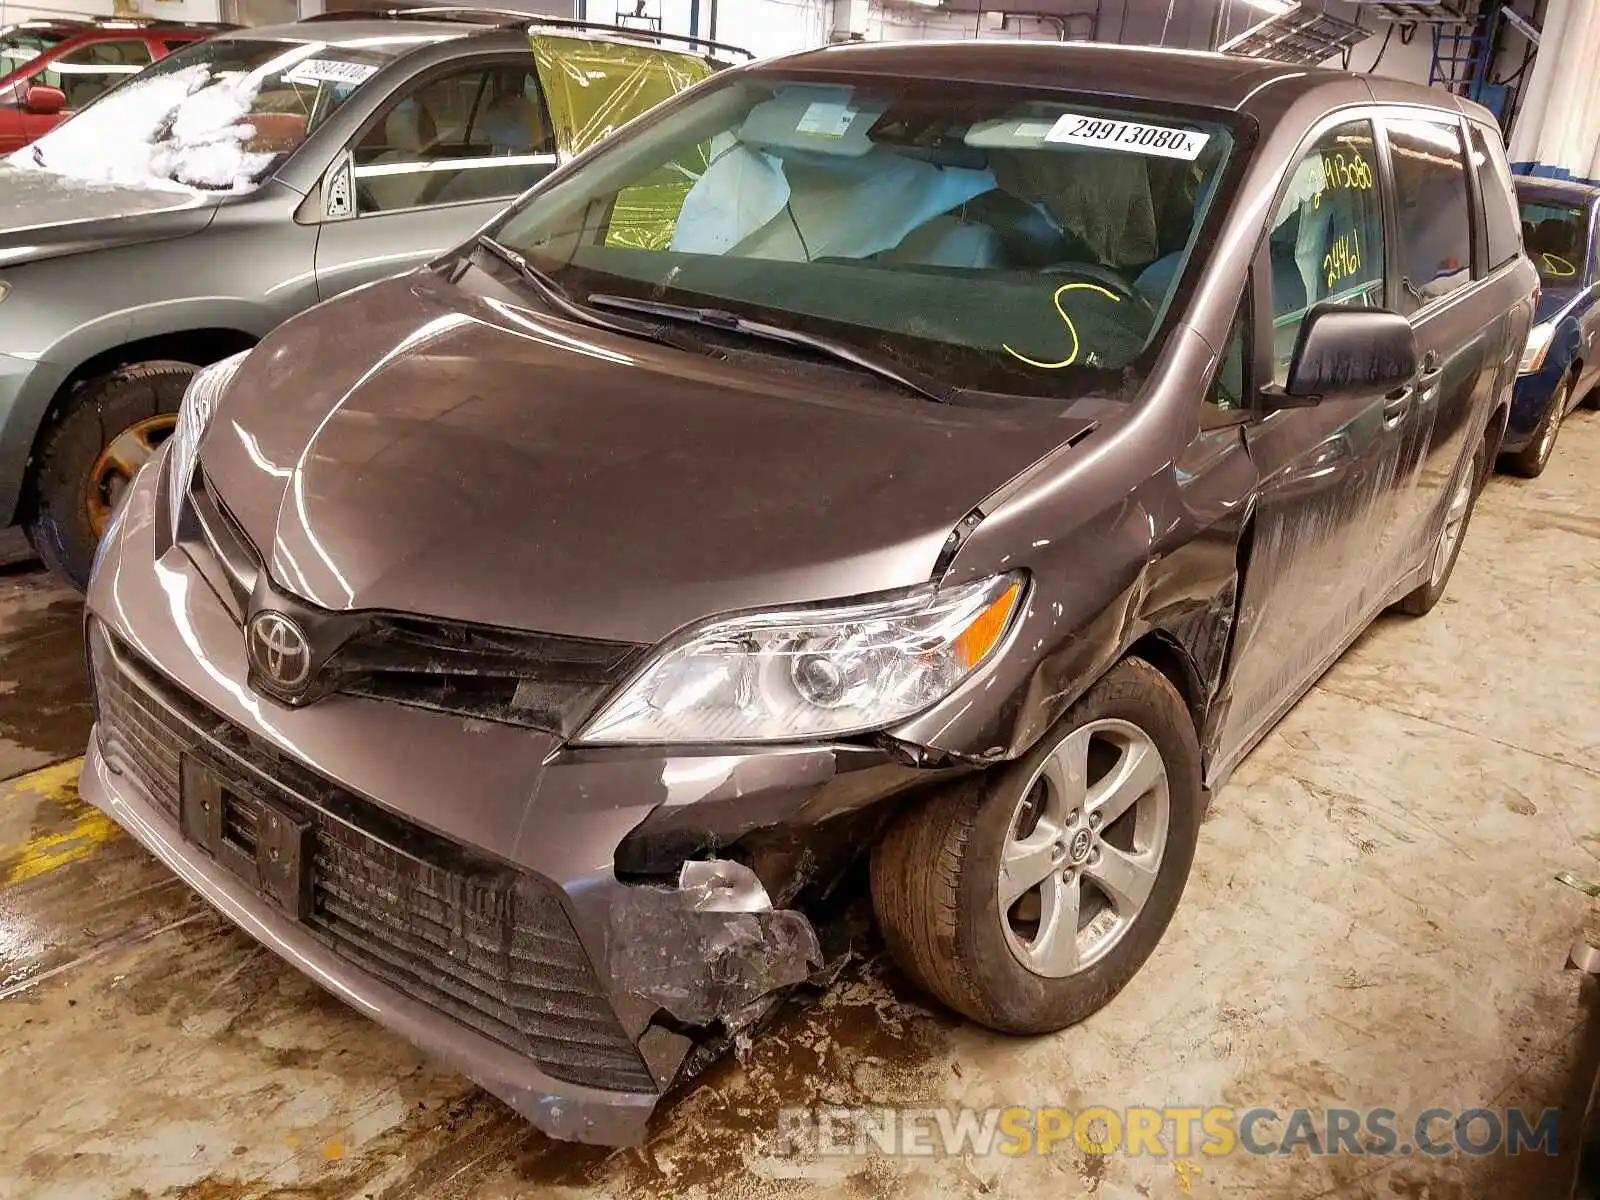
(1071, 328)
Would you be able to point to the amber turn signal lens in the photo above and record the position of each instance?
(984, 634)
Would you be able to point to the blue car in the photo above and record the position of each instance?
(1561, 362)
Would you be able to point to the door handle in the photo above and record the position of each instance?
(1396, 403)
(1429, 369)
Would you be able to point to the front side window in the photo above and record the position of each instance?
(83, 74)
(1557, 236)
(1326, 242)
(477, 134)
(218, 115)
(992, 242)
(1435, 210)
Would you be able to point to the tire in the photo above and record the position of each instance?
(76, 464)
(1446, 550)
(936, 873)
(1531, 460)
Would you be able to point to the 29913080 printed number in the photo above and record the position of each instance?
(1129, 137)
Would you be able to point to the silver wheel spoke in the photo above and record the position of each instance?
(1454, 518)
(1027, 862)
(1055, 950)
(1066, 774)
(1137, 771)
(1126, 879)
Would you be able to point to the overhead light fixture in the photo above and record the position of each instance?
(1274, 8)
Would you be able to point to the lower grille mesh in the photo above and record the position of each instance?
(488, 946)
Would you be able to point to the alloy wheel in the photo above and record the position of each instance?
(1084, 849)
(1455, 521)
(1552, 426)
(119, 462)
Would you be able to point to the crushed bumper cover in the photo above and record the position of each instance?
(559, 1108)
(463, 889)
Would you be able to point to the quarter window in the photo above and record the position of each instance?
(1229, 384)
(1502, 225)
(1434, 217)
(83, 74)
(1326, 242)
(482, 134)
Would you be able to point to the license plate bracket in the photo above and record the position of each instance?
(278, 864)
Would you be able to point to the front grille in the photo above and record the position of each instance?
(482, 943)
(542, 681)
(539, 680)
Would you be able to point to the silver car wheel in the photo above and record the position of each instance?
(1455, 520)
(1084, 849)
(1552, 426)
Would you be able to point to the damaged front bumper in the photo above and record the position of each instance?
(460, 878)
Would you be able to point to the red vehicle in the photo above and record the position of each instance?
(51, 67)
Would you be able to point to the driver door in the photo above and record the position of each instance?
(430, 168)
(1325, 499)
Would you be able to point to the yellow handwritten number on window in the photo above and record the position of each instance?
(1072, 329)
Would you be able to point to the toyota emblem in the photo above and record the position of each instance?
(279, 650)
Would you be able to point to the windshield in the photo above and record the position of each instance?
(1556, 236)
(987, 239)
(219, 115)
(22, 43)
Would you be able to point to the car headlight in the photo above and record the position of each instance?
(1533, 353)
(194, 416)
(785, 675)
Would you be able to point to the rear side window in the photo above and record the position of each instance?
(1434, 210)
(1502, 226)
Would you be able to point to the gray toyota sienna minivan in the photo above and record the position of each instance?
(888, 452)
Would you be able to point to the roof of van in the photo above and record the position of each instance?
(1204, 78)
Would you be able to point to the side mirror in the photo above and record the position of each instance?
(44, 101)
(1348, 352)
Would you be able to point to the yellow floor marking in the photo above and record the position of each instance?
(1186, 1172)
(87, 827)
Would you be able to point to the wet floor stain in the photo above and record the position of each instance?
(72, 888)
(64, 828)
(45, 713)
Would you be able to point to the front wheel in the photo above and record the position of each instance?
(1532, 459)
(1027, 897)
(90, 455)
(1447, 548)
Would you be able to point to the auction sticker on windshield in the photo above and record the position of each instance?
(329, 70)
(1130, 137)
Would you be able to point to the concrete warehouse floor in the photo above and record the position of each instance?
(1372, 922)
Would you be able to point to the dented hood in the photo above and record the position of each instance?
(418, 448)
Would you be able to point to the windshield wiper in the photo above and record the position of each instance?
(720, 319)
(556, 296)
